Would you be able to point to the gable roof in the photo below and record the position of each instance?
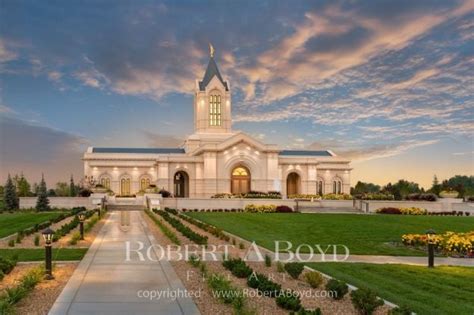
(304, 153)
(139, 150)
(211, 71)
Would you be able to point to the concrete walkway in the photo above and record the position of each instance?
(105, 283)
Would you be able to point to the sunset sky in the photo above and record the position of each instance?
(388, 84)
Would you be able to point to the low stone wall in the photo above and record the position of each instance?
(221, 203)
(59, 202)
(432, 206)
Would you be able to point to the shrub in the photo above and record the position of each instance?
(224, 290)
(194, 261)
(76, 236)
(414, 211)
(11, 243)
(289, 301)
(337, 197)
(303, 311)
(237, 267)
(164, 193)
(421, 197)
(37, 240)
(339, 288)
(283, 209)
(313, 278)
(389, 210)
(259, 208)
(294, 269)
(375, 196)
(7, 265)
(304, 196)
(241, 245)
(365, 301)
(19, 237)
(166, 231)
(280, 267)
(263, 284)
(268, 260)
(1, 277)
(186, 231)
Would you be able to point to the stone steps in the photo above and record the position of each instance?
(118, 207)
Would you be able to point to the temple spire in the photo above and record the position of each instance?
(211, 50)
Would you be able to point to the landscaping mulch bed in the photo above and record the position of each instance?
(43, 296)
(327, 304)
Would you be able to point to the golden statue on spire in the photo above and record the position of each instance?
(211, 50)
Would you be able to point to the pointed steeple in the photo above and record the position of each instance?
(211, 71)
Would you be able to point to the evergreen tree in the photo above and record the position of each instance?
(436, 187)
(72, 188)
(10, 197)
(22, 186)
(42, 203)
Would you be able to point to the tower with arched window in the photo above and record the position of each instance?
(212, 101)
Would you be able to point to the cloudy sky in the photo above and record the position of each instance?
(388, 84)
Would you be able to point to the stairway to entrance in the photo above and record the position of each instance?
(119, 207)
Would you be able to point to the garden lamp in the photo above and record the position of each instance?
(430, 234)
(82, 217)
(48, 238)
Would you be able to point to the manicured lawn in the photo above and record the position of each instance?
(362, 234)
(37, 254)
(442, 290)
(13, 222)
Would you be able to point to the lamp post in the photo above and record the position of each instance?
(431, 243)
(48, 238)
(82, 217)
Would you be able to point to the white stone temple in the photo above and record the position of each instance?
(215, 159)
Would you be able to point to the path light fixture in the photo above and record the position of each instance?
(48, 239)
(82, 217)
(430, 234)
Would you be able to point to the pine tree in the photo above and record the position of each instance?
(42, 203)
(72, 188)
(9, 195)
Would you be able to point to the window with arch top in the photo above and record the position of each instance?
(215, 117)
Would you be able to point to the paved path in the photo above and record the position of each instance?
(105, 283)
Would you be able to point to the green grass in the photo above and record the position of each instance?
(362, 234)
(13, 222)
(442, 290)
(37, 254)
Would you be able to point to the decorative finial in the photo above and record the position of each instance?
(211, 50)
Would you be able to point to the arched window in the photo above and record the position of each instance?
(215, 110)
(320, 187)
(144, 183)
(105, 182)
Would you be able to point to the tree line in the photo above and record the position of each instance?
(463, 185)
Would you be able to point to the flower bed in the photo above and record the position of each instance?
(337, 197)
(375, 196)
(250, 195)
(305, 196)
(449, 243)
(406, 211)
(260, 208)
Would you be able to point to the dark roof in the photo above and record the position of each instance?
(139, 150)
(304, 153)
(211, 71)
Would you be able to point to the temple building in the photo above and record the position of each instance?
(216, 159)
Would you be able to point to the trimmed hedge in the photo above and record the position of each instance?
(183, 229)
(166, 231)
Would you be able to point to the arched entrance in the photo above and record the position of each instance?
(292, 184)
(125, 186)
(240, 180)
(181, 184)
